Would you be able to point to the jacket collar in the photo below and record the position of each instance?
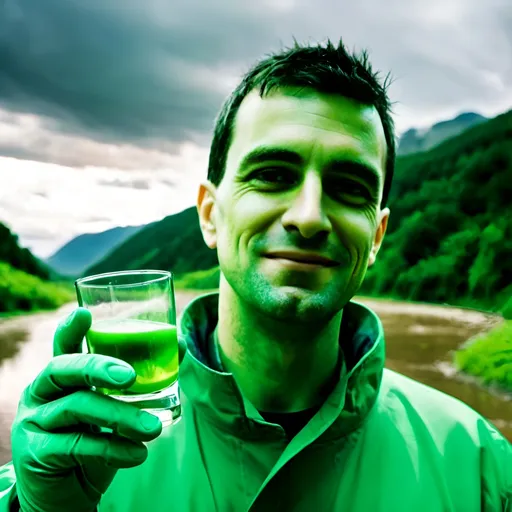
(217, 396)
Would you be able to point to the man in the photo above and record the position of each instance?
(286, 402)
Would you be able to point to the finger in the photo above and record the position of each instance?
(70, 332)
(182, 347)
(90, 408)
(66, 373)
(64, 451)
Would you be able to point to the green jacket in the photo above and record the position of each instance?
(381, 442)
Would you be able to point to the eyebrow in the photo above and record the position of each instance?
(345, 165)
(357, 168)
(263, 154)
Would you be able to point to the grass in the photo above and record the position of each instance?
(24, 293)
(199, 280)
(489, 357)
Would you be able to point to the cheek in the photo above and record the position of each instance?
(355, 230)
(250, 215)
(237, 222)
(253, 206)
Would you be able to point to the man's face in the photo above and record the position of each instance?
(303, 181)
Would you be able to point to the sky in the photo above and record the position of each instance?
(107, 106)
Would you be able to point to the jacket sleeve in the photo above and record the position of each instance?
(496, 471)
(7, 488)
(507, 469)
(507, 494)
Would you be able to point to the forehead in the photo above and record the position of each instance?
(306, 120)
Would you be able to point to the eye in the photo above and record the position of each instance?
(346, 188)
(274, 176)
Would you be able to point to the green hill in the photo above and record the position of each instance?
(450, 233)
(174, 243)
(18, 257)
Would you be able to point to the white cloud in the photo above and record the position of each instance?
(48, 204)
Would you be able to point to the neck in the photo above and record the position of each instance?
(277, 366)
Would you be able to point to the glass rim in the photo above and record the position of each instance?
(85, 282)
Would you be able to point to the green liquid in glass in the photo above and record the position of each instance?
(150, 347)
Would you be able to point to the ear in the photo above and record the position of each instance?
(206, 212)
(379, 235)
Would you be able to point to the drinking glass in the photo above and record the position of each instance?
(134, 319)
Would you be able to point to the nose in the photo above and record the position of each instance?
(307, 212)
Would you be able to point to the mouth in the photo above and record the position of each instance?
(302, 259)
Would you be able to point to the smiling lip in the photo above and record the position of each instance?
(303, 258)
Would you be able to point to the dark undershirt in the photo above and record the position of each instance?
(291, 422)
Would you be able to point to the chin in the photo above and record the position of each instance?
(288, 303)
(297, 301)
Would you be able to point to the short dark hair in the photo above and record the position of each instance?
(327, 69)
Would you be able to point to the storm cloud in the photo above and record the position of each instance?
(154, 74)
(126, 70)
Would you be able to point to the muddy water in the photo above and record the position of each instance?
(419, 340)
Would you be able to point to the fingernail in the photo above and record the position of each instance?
(148, 421)
(119, 373)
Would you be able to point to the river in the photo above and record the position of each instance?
(420, 340)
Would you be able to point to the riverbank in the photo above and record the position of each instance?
(488, 357)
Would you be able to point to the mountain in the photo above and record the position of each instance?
(85, 250)
(449, 237)
(18, 257)
(174, 243)
(415, 140)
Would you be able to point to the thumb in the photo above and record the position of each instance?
(70, 333)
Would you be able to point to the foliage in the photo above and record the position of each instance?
(489, 357)
(18, 257)
(449, 238)
(199, 280)
(20, 291)
(507, 308)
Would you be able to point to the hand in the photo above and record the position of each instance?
(62, 458)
